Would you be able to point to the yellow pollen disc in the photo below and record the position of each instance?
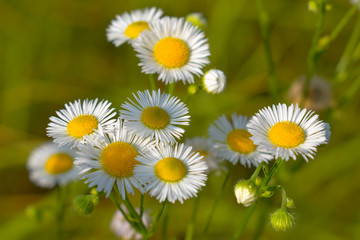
(239, 141)
(171, 52)
(155, 117)
(82, 125)
(170, 169)
(135, 28)
(59, 163)
(286, 134)
(118, 159)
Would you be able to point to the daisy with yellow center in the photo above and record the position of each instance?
(232, 141)
(50, 165)
(128, 26)
(156, 115)
(78, 119)
(174, 48)
(110, 158)
(204, 146)
(173, 172)
(288, 131)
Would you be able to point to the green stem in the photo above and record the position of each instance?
(117, 204)
(264, 28)
(262, 220)
(165, 222)
(191, 225)
(217, 199)
(345, 59)
(152, 82)
(339, 27)
(60, 212)
(133, 213)
(284, 200)
(314, 54)
(272, 171)
(170, 88)
(351, 92)
(257, 171)
(249, 212)
(157, 218)
(141, 205)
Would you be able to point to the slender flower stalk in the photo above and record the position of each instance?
(314, 53)
(152, 82)
(191, 226)
(157, 218)
(248, 214)
(264, 27)
(341, 68)
(61, 198)
(217, 199)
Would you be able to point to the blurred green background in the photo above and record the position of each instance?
(55, 51)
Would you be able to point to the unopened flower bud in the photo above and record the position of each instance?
(95, 196)
(83, 204)
(197, 19)
(192, 89)
(282, 220)
(258, 181)
(246, 192)
(290, 203)
(313, 6)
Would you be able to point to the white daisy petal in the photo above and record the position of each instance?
(128, 26)
(156, 115)
(288, 131)
(174, 172)
(173, 48)
(109, 157)
(232, 141)
(51, 165)
(79, 119)
(214, 81)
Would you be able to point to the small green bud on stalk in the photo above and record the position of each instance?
(258, 181)
(282, 220)
(246, 192)
(83, 204)
(197, 19)
(192, 89)
(290, 203)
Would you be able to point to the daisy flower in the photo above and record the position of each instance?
(156, 115)
(172, 172)
(51, 165)
(109, 158)
(232, 141)
(174, 48)
(79, 119)
(288, 131)
(214, 81)
(122, 228)
(204, 147)
(128, 26)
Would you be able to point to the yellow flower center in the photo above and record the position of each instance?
(135, 28)
(59, 163)
(239, 141)
(82, 125)
(118, 159)
(155, 117)
(171, 52)
(286, 134)
(170, 169)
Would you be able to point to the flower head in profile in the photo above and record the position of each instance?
(288, 131)
(174, 48)
(128, 26)
(156, 115)
(79, 119)
(246, 192)
(50, 165)
(110, 158)
(122, 228)
(232, 141)
(172, 172)
(282, 220)
(214, 81)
